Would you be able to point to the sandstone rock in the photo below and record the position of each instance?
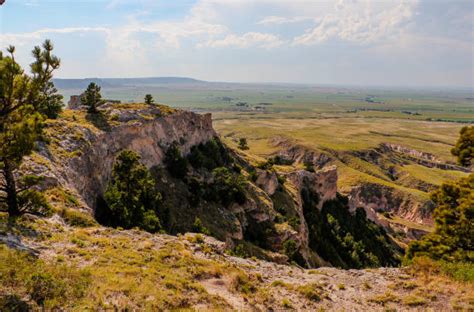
(267, 180)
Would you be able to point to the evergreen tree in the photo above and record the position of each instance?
(243, 144)
(131, 196)
(92, 98)
(149, 99)
(176, 164)
(453, 237)
(464, 149)
(20, 126)
(47, 101)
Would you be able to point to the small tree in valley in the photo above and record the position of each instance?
(243, 144)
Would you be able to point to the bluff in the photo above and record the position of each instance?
(282, 216)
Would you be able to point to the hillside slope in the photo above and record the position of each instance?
(289, 215)
(267, 226)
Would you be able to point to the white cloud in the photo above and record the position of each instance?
(21, 39)
(280, 20)
(360, 22)
(250, 39)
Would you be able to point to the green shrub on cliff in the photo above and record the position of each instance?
(227, 187)
(453, 237)
(209, 155)
(176, 164)
(464, 149)
(131, 199)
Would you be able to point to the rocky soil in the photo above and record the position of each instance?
(244, 284)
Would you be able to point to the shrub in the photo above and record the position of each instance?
(310, 292)
(227, 187)
(308, 166)
(50, 286)
(243, 144)
(176, 164)
(241, 282)
(290, 248)
(43, 285)
(253, 176)
(209, 155)
(199, 228)
(458, 271)
(76, 218)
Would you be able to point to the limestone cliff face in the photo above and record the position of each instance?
(150, 139)
(378, 198)
(80, 157)
(323, 182)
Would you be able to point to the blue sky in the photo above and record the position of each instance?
(347, 42)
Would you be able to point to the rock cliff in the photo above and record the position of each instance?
(80, 149)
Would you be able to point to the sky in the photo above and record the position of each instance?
(427, 43)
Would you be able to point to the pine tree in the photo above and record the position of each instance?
(92, 98)
(149, 99)
(453, 237)
(47, 101)
(464, 149)
(20, 127)
(131, 197)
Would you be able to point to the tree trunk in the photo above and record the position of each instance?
(12, 200)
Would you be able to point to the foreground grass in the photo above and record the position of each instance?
(88, 267)
(92, 268)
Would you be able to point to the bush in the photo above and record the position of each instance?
(308, 166)
(253, 176)
(243, 144)
(199, 228)
(42, 286)
(76, 218)
(459, 271)
(176, 164)
(227, 187)
(50, 286)
(209, 155)
(290, 248)
(464, 148)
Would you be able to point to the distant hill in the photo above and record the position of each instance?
(123, 82)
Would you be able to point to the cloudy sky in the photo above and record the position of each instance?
(348, 42)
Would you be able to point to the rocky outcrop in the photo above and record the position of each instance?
(84, 156)
(379, 198)
(297, 153)
(422, 158)
(267, 180)
(322, 182)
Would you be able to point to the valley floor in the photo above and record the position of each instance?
(103, 268)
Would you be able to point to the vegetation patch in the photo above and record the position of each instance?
(48, 286)
(346, 240)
